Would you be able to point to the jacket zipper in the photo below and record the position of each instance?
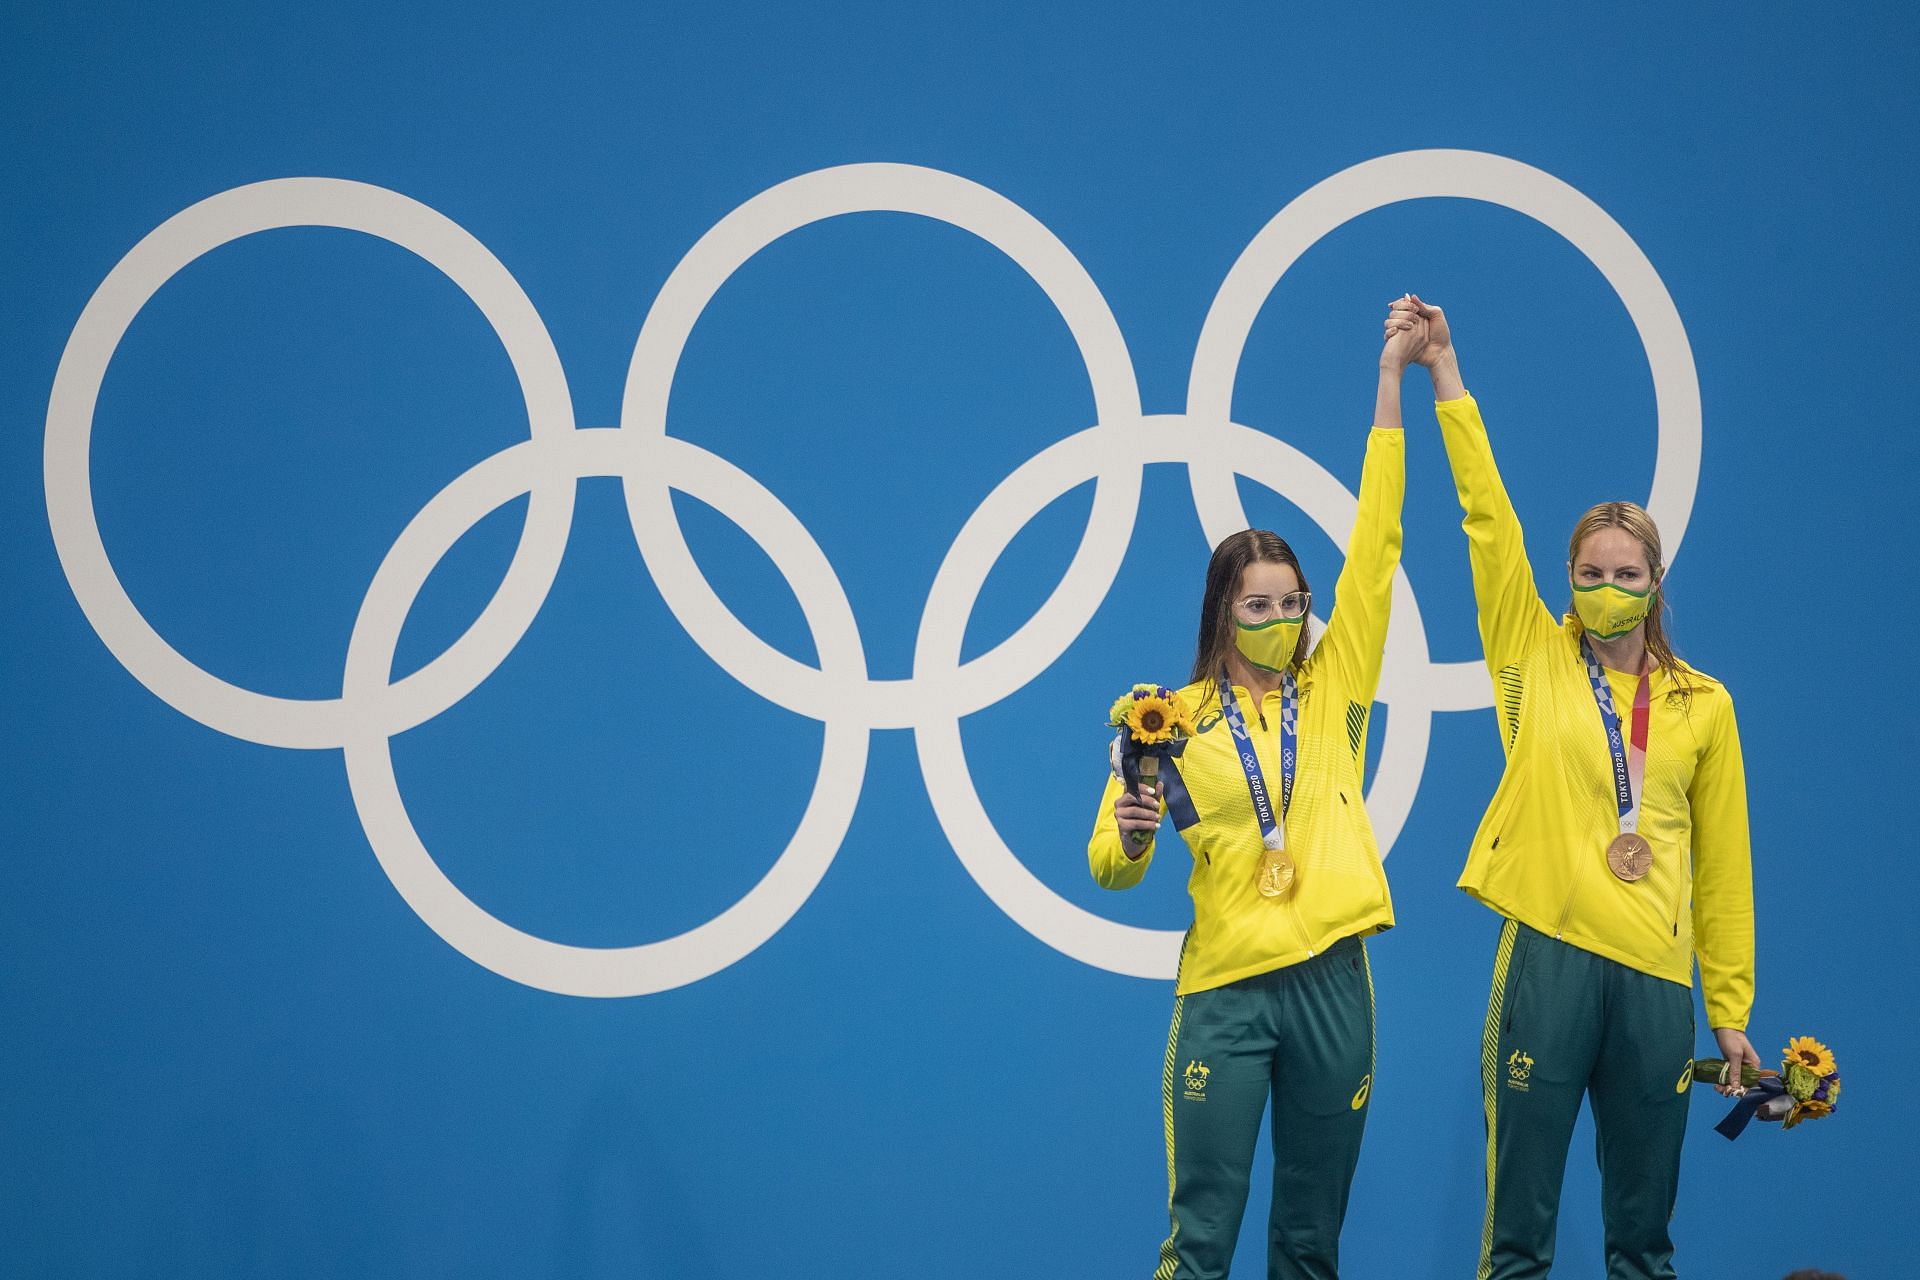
(1299, 929)
(1560, 928)
(1293, 908)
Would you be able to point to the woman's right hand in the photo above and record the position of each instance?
(1435, 352)
(1137, 812)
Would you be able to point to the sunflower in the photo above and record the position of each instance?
(1153, 718)
(1807, 1111)
(1811, 1054)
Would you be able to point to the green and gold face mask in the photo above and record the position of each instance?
(1268, 645)
(1608, 611)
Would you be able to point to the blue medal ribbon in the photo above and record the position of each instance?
(1273, 830)
(1616, 741)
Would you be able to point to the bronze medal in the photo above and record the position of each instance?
(1276, 873)
(1630, 856)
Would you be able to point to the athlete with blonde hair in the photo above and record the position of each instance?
(1616, 850)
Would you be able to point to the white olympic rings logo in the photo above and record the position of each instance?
(372, 706)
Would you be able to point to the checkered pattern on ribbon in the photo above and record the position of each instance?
(1273, 832)
(1629, 766)
(1602, 691)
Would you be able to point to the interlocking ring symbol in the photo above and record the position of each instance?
(372, 706)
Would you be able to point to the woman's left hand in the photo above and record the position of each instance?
(1738, 1051)
(1404, 337)
(1439, 337)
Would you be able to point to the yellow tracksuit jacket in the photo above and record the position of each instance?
(1340, 889)
(1539, 856)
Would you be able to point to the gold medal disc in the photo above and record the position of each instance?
(1630, 856)
(1276, 873)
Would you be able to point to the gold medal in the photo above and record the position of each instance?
(1630, 856)
(1276, 873)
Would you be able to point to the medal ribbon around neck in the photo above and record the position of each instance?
(1629, 757)
(1273, 829)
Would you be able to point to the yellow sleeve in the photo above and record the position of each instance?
(1357, 631)
(1722, 873)
(1112, 868)
(1513, 621)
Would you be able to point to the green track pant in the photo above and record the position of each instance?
(1563, 1023)
(1304, 1034)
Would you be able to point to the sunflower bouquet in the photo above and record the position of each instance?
(1806, 1087)
(1153, 725)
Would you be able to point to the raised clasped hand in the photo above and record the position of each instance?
(1438, 339)
(1405, 335)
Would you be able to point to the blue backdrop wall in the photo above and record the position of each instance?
(566, 567)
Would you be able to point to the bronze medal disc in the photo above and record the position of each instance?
(1276, 873)
(1630, 856)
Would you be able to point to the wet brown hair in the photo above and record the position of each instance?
(1632, 518)
(1230, 559)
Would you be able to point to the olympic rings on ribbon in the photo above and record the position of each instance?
(1111, 452)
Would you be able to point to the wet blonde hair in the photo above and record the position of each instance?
(1634, 520)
